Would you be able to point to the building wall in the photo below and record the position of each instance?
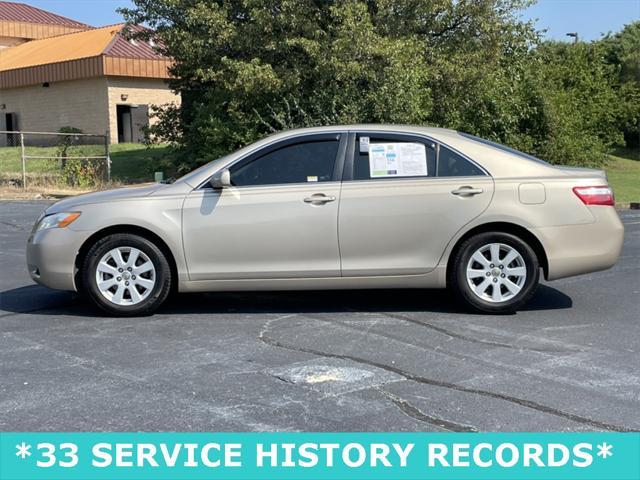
(138, 91)
(79, 103)
(86, 104)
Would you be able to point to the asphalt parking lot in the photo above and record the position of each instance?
(317, 361)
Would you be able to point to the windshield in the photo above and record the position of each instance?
(504, 148)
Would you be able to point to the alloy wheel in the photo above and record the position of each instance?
(496, 272)
(125, 276)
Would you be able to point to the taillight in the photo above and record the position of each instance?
(600, 195)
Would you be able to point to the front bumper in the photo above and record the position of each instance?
(51, 256)
(578, 249)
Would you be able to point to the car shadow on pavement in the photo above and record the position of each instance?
(36, 300)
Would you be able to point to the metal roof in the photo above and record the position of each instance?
(108, 41)
(20, 12)
(124, 47)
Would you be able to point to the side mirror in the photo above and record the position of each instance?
(221, 179)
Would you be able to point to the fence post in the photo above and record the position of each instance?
(23, 157)
(107, 149)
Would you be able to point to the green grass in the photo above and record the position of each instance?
(623, 172)
(130, 162)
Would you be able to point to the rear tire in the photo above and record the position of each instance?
(494, 272)
(126, 275)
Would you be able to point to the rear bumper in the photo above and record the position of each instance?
(51, 257)
(578, 249)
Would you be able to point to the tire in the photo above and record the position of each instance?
(485, 285)
(134, 269)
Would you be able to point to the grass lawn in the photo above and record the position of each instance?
(130, 162)
(623, 172)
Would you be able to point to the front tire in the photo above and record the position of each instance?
(495, 272)
(126, 275)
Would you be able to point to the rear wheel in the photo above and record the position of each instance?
(495, 272)
(126, 275)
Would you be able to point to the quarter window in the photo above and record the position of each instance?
(307, 162)
(450, 164)
(407, 157)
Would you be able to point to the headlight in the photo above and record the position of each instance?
(57, 220)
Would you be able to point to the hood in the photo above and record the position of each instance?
(105, 196)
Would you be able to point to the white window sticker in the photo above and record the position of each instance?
(312, 178)
(397, 160)
(364, 144)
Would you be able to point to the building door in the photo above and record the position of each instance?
(9, 122)
(140, 122)
(124, 123)
(132, 122)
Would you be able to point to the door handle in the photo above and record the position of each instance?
(319, 199)
(467, 191)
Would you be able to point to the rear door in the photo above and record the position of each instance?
(403, 198)
(278, 220)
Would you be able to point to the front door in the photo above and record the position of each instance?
(403, 199)
(278, 220)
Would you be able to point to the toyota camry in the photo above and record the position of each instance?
(343, 207)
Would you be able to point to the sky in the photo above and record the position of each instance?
(590, 18)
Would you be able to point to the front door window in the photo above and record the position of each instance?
(308, 162)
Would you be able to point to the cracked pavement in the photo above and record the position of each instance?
(390, 360)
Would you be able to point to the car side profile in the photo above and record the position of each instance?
(342, 207)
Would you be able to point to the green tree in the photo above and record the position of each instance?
(622, 50)
(246, 68)
(576, 116)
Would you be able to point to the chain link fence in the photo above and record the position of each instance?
(61, 159)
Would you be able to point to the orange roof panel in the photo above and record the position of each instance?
(73, 46)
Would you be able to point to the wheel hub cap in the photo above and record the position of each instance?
(125, 276)
(496, 272)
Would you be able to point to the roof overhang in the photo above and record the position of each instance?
(90, 67)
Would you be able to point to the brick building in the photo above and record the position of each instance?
(55, 72)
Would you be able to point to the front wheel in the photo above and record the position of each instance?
(126, 275)
(495, 272)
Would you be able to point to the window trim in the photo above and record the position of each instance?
(338, 164)
(351, 148)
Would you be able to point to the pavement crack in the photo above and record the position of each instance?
(413, 412)
(467, 338)
(266, 339)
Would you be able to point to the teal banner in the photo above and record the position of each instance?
(157, 456)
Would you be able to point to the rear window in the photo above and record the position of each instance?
(504, 148)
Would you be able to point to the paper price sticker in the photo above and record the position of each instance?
(397, 160)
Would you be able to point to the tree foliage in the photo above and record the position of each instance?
(622, 51)
(246, 68)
